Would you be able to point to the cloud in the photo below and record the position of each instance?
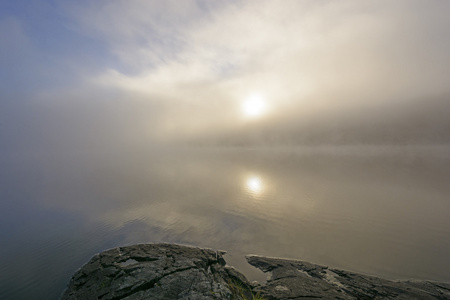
(141, 33)
(309, 57)
(180, 70)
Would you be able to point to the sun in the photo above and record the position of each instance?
(254, 106)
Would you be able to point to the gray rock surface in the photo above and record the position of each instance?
(157, 271)
(167, 271)
(293, 279)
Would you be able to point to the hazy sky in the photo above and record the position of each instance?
(107, 73)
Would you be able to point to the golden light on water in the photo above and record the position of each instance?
(254, 185)
(254, 106)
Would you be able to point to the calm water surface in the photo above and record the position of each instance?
(376, 210)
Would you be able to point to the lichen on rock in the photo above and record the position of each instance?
(168, 271)
(152, 271)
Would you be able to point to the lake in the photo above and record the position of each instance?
(383, 211)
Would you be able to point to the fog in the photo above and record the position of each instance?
(310, 129)
(116, 74)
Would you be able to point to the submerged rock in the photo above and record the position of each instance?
(167, 271)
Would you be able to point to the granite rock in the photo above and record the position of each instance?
(167, 271)
(155, 271)
(294, 279)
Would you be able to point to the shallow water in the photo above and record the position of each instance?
(377, 210)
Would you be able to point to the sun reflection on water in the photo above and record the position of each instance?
(254, 185)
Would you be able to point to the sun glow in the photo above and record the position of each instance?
(254, 106)
(254, 185)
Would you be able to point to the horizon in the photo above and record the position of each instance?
(252, 73)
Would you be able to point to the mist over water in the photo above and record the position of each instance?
(315, 130)
(376, 210)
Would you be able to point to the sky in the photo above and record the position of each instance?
(96, 75)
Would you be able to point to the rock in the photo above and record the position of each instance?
(167, 271)
(155, 271)
(294, 279)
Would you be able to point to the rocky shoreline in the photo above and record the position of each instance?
(169, 271)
